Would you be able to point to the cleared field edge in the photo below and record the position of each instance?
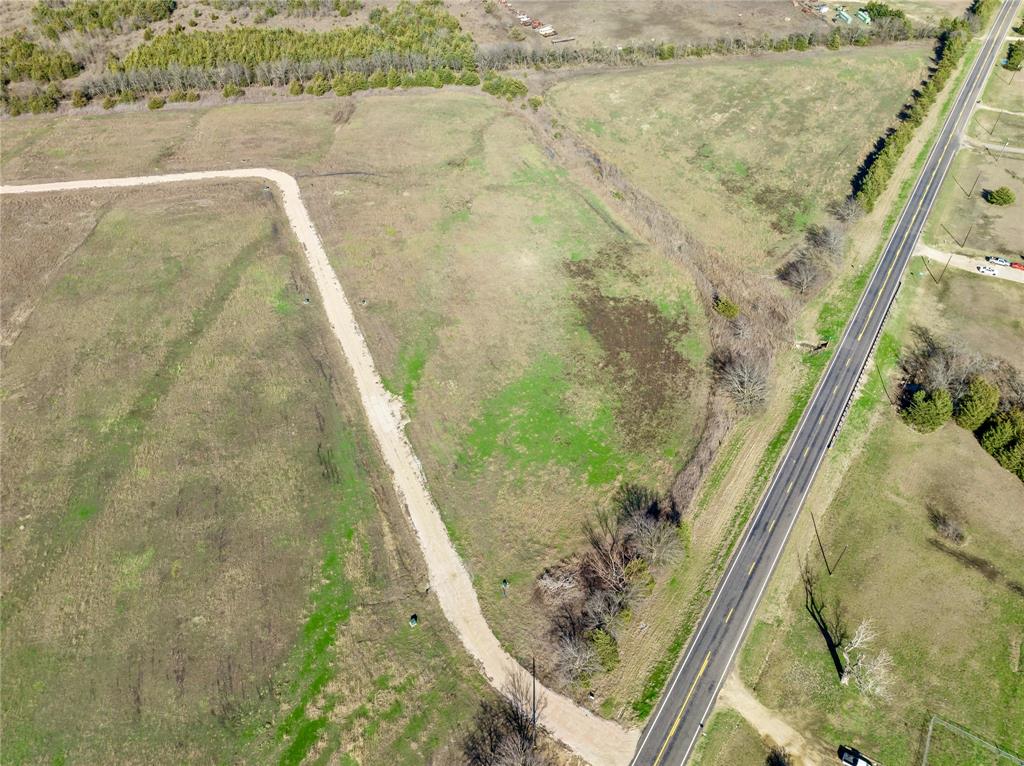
(598, 741)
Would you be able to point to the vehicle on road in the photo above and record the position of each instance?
(853, 757)
(1016, 265)
(987, 271)
(997, 260)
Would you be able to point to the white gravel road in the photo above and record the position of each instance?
(966, 263)
(598, 741)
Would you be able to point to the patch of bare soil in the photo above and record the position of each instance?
(771, 726)
(638, 343)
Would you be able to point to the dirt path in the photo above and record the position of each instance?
(966, 263)
(766, 723)
(600, 742)
(1000, 149)
(988, 108)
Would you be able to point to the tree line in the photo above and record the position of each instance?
(424, 28)
(945, 380)
(511, 56)
(54, 18)
(876, 171)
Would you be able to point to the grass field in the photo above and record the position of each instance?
(1005, 90)
(745, 152)
(952, 617)
(997, 128)
(988, 229)
(949, 747)
(203, 559)
(293, 136)
(543, 354)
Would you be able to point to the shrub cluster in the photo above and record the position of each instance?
(879, 11)
(1002, 437)
(503, 87)
(726, 307)
(42, 100)
(425, 29)
(587, 594)
(948, 381)
(1015, 56)
(1002, 196)
(53, 18)
(22, 59)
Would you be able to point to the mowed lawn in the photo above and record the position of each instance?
(1004, 89)
(203, 560)
(959, 223)
(951, 617)
(997, 128)
(745, 152)
(542, 354)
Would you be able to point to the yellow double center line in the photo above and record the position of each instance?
(675, 724)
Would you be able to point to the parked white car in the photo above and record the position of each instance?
(987, 271)
(996, 260)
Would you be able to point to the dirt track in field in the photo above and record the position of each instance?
(598, 741)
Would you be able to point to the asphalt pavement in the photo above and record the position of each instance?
(678, 721)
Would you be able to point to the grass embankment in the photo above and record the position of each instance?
(192, 514)
(728, 738)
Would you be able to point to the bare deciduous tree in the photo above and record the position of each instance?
(828, 240)
(575, 658)
(744, 377)
(778, 756)
(862, 637)
(848, 211)
(802, 273)
(949, 525)
(504, 732)
(936, 364)
(874, 675)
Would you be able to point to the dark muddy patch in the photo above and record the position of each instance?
(986, 568)
(638, 345)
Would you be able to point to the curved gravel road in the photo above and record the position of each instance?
(598, 741)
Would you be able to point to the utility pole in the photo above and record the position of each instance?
(943, 272)
(881, 379)
(975, 186)
(534, 674)
(928, 269)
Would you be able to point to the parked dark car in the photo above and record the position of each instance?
(853, 757)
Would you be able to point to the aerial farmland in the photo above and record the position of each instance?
(439, 382)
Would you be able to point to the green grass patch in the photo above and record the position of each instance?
(528, 424)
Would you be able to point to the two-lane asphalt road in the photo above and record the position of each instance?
(673, 730)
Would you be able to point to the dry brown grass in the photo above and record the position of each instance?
(193, 513)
